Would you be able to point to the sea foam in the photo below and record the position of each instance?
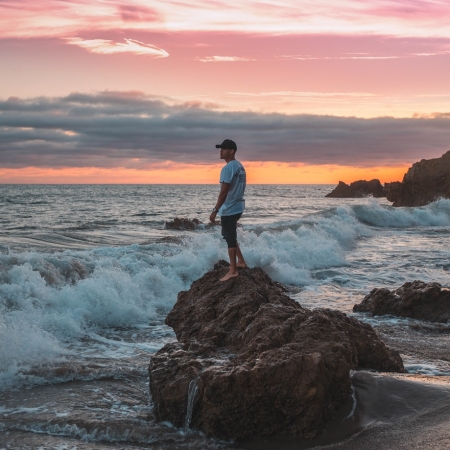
(375, 214)
(48, 300)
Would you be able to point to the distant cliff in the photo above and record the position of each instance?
(425, 182)
(358, 189)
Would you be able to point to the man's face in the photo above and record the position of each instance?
(225, 153)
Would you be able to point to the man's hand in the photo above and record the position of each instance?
(225, 187)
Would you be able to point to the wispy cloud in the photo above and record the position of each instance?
(138, 13)
(304, 94)
(308, 58)
(224, 59)
(107, 47)
(108, 129)
(383, 17)
(432, 116)
(366, 56)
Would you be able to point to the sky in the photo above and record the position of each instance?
(137, 91)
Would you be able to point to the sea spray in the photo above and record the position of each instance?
(192, 393)
(436, 214)
(354, 404)
(50, 300)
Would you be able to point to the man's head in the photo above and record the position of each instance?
(228, 149)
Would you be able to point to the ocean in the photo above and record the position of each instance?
(89, 272)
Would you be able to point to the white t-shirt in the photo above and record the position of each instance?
(233, 173)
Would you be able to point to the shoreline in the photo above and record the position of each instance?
(386, 406)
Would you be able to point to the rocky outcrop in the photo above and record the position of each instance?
(250, 361)
(418, 300)
(358, 189)
(180, 223)
(425, 182)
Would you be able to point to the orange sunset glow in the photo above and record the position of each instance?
(311, 91)
(259, 173)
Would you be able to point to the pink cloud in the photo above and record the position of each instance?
(224, 59)
(367, 56)
(299, 86)
(107, 47)
(409, 9)
(291, 94)
(131, 13)
(43, 18)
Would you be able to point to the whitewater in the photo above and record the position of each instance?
(89, 272)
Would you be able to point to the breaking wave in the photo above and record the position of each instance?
(48, 300)
(374, 214)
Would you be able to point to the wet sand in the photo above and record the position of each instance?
(409, 412)
(388, 411)
(92, 414)
(391, 411)
(419, 342)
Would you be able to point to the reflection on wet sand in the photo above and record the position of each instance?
(386, 412)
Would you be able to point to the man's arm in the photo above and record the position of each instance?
(225, 187)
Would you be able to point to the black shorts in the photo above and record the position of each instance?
(229, 225)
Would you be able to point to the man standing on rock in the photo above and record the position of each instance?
(230, 204)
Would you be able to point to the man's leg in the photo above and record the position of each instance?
(229, 233)
(232, 273)
(240, 258)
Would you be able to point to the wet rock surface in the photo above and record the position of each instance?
(250, 361)
(358, 189)
(425, 182)
(181, 223)
(416, 300)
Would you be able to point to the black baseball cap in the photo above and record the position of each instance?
(227, 143)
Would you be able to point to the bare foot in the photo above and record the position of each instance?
(230, 275)
(242, 265)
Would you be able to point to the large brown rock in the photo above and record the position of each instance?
(425, 182)
(418, 300)
(358, 189)
(253, 362)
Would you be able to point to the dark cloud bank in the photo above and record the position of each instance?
(109, 129)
